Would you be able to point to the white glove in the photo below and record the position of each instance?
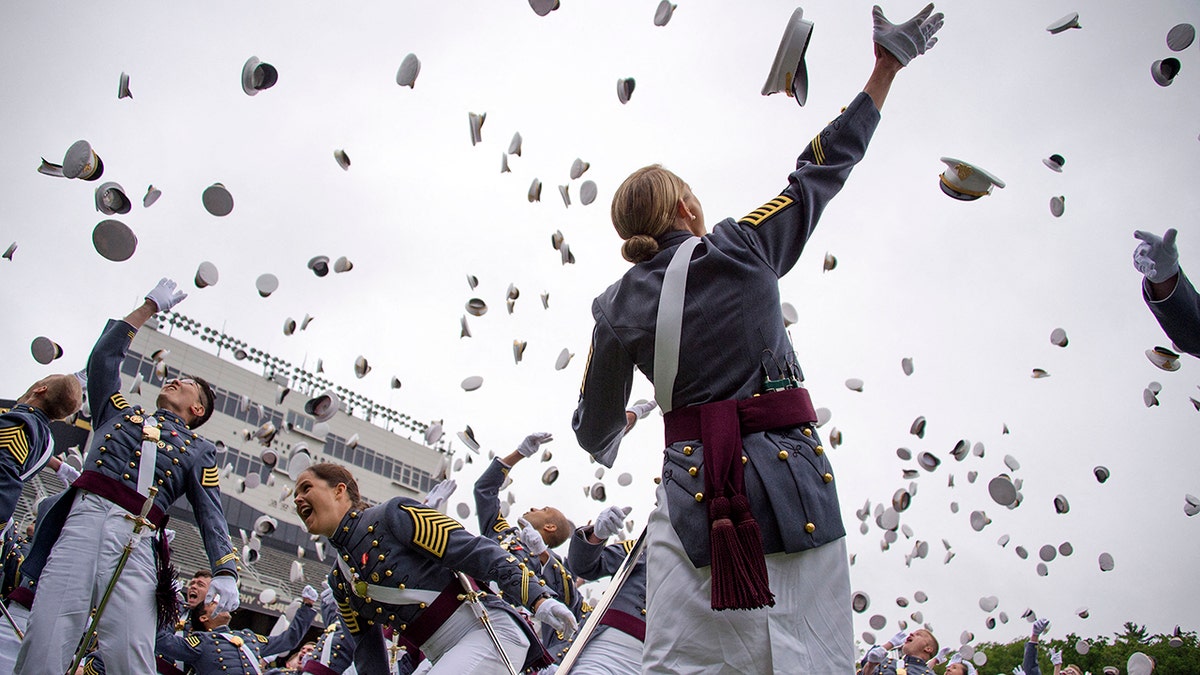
(1056, 657)
(165, 296)
(556, 615)
(1156, 257)
(642, 409)
(440, 493)
(957, 658)
(1018, 670)
(1040, 626)
(898, 639)
(224, 589)
(910, 39)
(169, 535)
(531, 538)
(326, 594)
(876, 655)
(610, 521)
(532, 442)
(310, 594)
(941, 656)
(67, 473)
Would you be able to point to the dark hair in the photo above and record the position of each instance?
(202, 574)
(333, 474)
(209, 403)
(564, 529)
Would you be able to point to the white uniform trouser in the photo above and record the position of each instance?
(809, 630)
(9, 644)
(611, 652)
(73, 581)
(461, 646)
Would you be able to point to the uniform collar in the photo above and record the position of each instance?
(170, 416)
(36, 412)
(341, 536)
(673, 238)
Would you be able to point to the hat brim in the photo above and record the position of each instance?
(961, 196)
(1162, 361)
(82, 162)
(788, 72)
(1053, 166)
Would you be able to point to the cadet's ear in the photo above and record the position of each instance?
(550, 527)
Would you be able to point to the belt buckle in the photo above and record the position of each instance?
(360, 588)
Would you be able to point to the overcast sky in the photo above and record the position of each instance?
(970, 291)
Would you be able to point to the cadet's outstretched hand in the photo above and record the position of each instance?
(1156, 257)
(910, 39)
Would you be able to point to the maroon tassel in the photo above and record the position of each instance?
(750, 541)
(730, 584)
(165, 592)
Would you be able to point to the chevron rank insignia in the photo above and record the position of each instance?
(628, 545)
(431, 530)
(119, 402)
(501, 525)
(210, 477)
(193, 641)
(14, 442)
(762, 213)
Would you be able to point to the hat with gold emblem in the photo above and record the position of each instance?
(966, 182)
(788, 73)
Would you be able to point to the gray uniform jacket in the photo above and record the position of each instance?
(406, 545)
(24, 436)
(913, 666)
(554, 574)
(186, 464)
(596, 561)
(733, 340)
(1179, 315)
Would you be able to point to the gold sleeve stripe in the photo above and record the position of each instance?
(501, 525)
(90, 669)
(818, 151)
(567, 584)
(232, 555)
(526, 575)
(193, 641)
(431, 530)
(628, 545)
(349, 617)
(210, 477)
(119, 402)
(760, 215)
(587, 367)
(13, 440)
(131, 334)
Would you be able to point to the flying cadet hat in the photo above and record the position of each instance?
(1067, 22)
(342, 264)
(361, 367)
(257, 76)
(217, 200)
(265, 525)
(81, 162)
(578, 168)
(298, 460)
(45, 350)
(111, 199)
(788, 73)
(1163, 358)
(410, 67)
(1054, 163)
(114, 240)
(587, 192)
(395, 383)
(319, 265)
(467, 436)
(1164, 71)
(854, 384)
(519, 349)
(535, 191)
(918, 427)
(269, 457)
(545, 295)
(206, 275)
(8, 252)
(830, 262)
(323, 407)
(472, 383)
(1191, 505)
(979, 520)
(296, 574)
(152, 195)
(790, 315)
(664, 12)
(1057, 206)
(1180, 37)
(625, 87)
(1106, 562)
(564, 192)
(543, 7)
(1058, 337)
(564, 358)
(266, 284)
(1039, 373)
(476, 121)
(1061, 505)
(966, 182)
(906, 364)
(504, 163)
(123, 87)
(514, 146)
(342, 159)
(465, 330)
(476, 307)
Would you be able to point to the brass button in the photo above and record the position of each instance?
(699, 496)
(745, 459)
(810, 528)
(807, 431)
(133, 465)
(99, 462)
(693, 471)
(126, 476)
(783, 454)
(828, 478)
(657, 479)
(820, 449)
(687, 450)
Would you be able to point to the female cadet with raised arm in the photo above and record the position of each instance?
(747, 515)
